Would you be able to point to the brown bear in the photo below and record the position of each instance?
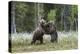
(39, 32)
(45, 28)
(51, 29)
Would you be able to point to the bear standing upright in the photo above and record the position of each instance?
(39, 32)
(45, 28)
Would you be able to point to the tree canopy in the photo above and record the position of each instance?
(27, 15)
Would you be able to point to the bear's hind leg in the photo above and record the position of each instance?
(33, 41)
(41, 40)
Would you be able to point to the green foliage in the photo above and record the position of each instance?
(24, 15)
(51, 15)
(73, 15)
(27, 15)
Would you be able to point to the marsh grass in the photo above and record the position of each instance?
(64, 43)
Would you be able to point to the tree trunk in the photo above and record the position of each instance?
(66, 15)
(62, 20)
